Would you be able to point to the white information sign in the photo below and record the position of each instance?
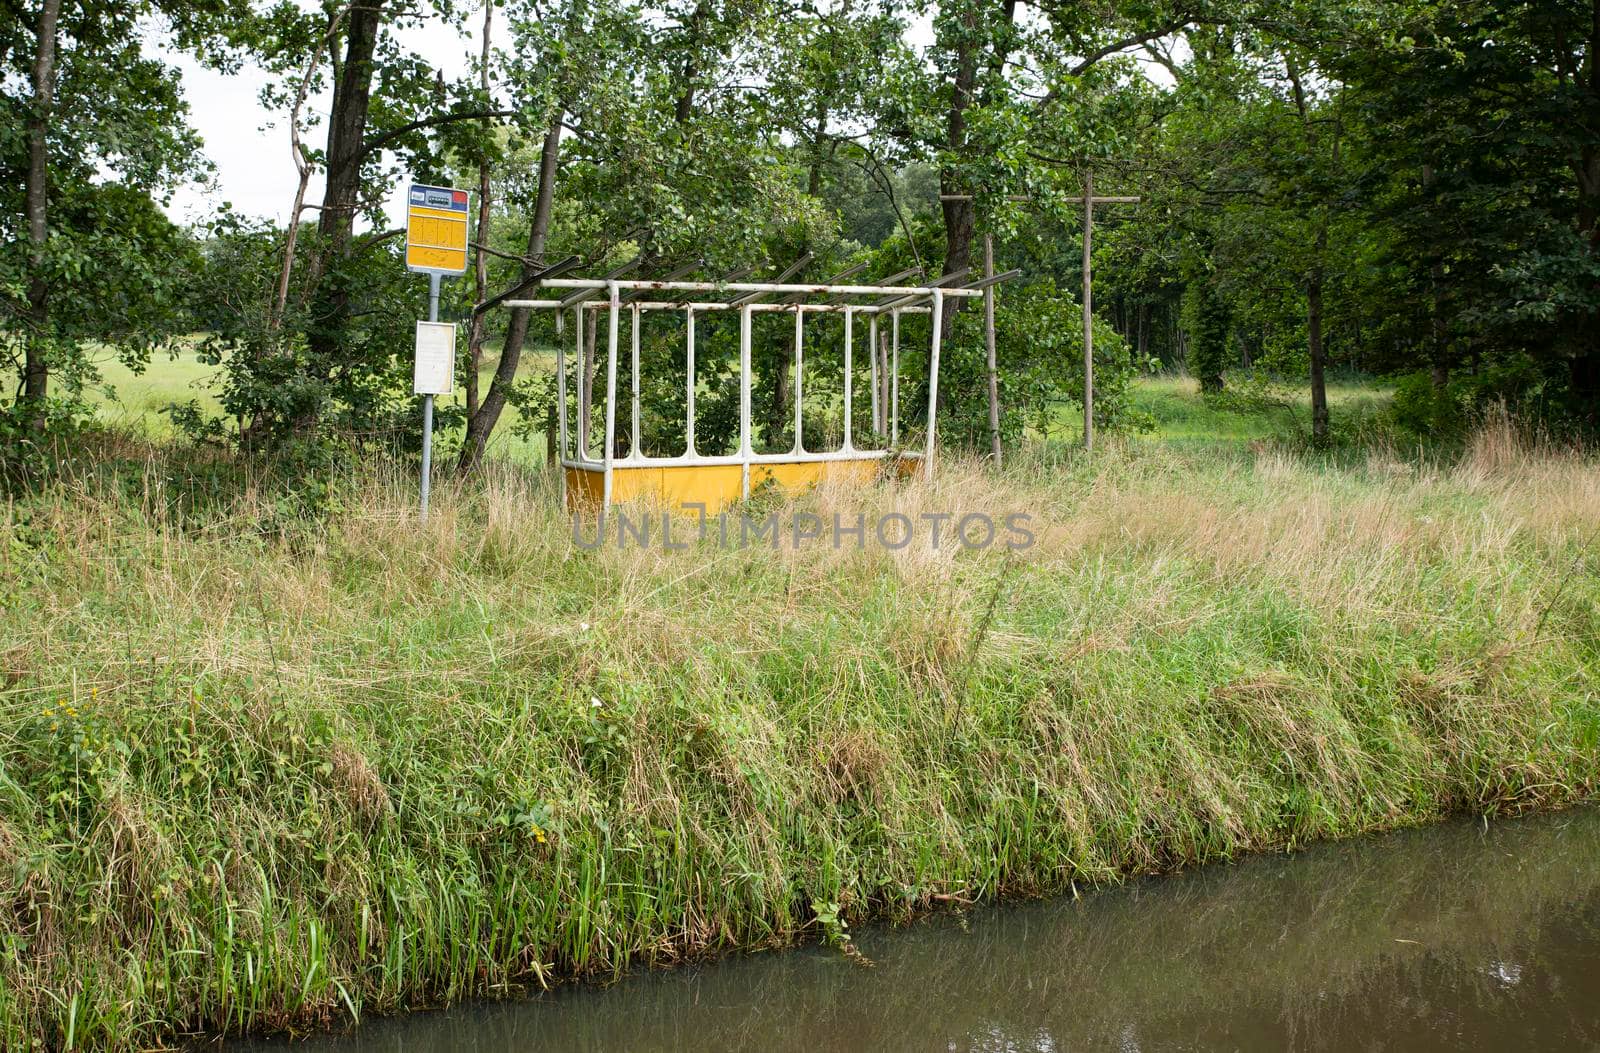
(434, 371)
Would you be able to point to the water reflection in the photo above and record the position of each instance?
(1456, 937)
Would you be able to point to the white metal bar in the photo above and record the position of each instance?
(933, 383)
(633, 341)
(1118, 200)
(688, 431)
(849, 338)
(611, 398)
(700, 460)
(799, 329)
(894, 378)
(585, 396)
(763, 287)
(872, 341)
(561, 406)
(718, 305)
(744, 401)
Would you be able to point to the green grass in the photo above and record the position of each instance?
(1183, 418)
(274, 755)
(136, 400)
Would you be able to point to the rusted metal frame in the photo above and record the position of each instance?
(819, 289)
(784, 275)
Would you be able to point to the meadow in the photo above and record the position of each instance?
(135, 402)
(275, 756)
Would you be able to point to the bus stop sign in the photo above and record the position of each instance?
(436, 230)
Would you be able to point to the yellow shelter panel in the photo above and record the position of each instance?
(715, 486)
(673, 486)
(803, 475)
(585, 489)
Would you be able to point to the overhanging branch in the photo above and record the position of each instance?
(377, 143)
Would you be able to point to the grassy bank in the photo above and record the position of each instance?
(268, 761)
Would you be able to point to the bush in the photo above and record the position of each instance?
(1518, 383)
(1424, 410)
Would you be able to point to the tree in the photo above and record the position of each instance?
(1482, 131)
(566, 60)
(104, 134)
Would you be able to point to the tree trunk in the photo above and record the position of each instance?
(481, 424)
(960, 216)
(586, 371)
(782, 397)
(36, 364)
(1319, 386)
(480, 264)
(684, 108)
(989, 351)
(883, 379)
(782, 390)
(302, 167)
(347, 127)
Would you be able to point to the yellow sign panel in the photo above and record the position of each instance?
(436, 230)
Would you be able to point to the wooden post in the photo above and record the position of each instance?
(1089, 201)
(1088, 313)
(988, 344)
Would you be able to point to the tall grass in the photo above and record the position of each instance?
(271, 760)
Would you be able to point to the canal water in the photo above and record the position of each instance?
(1461, 936)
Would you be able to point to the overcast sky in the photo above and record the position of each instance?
(253, 167)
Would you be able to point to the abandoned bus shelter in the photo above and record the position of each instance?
(610, 463)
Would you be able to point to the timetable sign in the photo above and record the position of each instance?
(433, 372)
(436, 230)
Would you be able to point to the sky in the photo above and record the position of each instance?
(249, 145)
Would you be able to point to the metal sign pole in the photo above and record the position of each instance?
(427, 404)
(437, 226)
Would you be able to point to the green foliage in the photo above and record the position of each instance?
(1424, 410)
(1519, 385)
(280, 383)
(1039, 351)
(1206, 320)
